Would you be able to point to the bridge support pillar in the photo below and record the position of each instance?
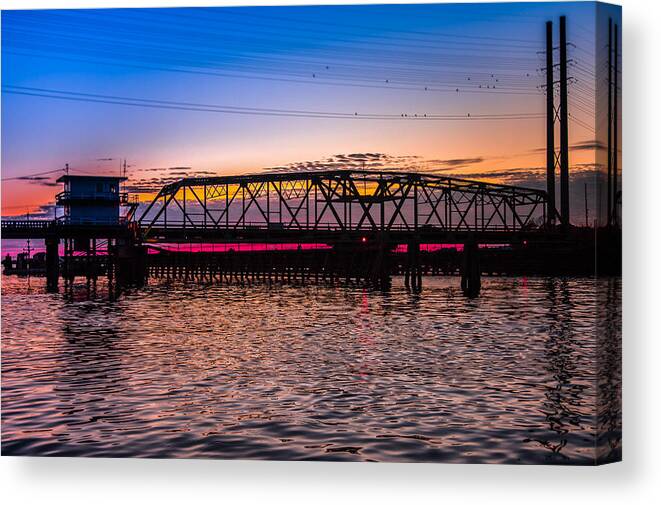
(413, 273)
(381, 273)
(470, 271)
(52, 264)
(131, 264)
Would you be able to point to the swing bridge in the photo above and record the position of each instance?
(340, 205)
(361, 218)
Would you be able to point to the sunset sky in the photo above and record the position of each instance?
(236, 90)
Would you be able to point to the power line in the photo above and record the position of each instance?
(28, 176)
(74, 32)
(364, 27)
(245, 40)
(201, 107)
(293, 33)
(511, 84)
(220, 18)
(241, 58)
(476, 89)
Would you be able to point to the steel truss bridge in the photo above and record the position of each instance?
(341, 204)
(362, 215)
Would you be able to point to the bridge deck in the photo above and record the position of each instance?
(17, 229)
(333, 235)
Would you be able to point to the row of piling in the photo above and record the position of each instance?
(373, 267)
(128, 263)
(296, 266)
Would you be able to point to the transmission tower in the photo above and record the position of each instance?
(557, 159)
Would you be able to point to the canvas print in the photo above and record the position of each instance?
(378, 233)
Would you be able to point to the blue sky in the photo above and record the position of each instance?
(380, 60)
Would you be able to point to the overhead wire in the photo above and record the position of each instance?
(201, 107)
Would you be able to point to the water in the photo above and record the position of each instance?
(314, 372)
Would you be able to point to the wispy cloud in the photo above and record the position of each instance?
(588, 145)
(46, 211)
(163, 169)
(152, 183)
(378, 161)
(463, 167)
(456, 162)
(39, 180)
(351, 161)
(33, 178)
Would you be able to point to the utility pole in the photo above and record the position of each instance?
(564, 129)
(610, 124)
(29, 248)
(615, 142)
(585, 192)
(550, 127)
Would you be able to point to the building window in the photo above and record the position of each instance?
(99, 187)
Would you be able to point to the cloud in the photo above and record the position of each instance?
(538, 150)
(152, 183)
(351, 161)
(457, 162)
(533, 176)
(530, 176)
(379, 161)
(163, 169)
(40, 180)
(587, 166)
(588, 145)
(46, 211)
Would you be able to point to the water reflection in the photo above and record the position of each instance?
(564, 393)
(312, 372)
(609, 381)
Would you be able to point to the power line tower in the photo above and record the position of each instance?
(557, 115)
(615, 120)
(609, 185)
(613, 75)
(564, 127)
(551, 158)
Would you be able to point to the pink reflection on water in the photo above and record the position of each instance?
(13, 247)
(403, 248)
(237, 247)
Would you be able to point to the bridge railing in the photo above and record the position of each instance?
(52, 225)
(16, 224)
(276, 227)
(65, 197)
(91, 221)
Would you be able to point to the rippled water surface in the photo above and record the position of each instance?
(286, 372)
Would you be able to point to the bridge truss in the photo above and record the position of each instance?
(343, 201)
